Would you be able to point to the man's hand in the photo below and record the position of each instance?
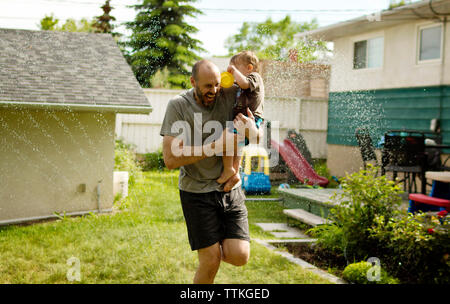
(246, 126)
(231, 182)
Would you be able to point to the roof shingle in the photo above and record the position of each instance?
(66, 68)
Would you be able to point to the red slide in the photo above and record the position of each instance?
(298, 164)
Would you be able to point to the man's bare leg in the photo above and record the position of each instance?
(235, 251)
(209, 262)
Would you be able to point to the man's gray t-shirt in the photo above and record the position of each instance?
(199, 177)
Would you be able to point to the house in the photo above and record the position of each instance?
(59, 96)
(390, 70)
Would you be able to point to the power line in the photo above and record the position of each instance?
(244, 10)
(404, 17)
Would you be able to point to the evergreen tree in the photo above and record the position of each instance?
(102, 24)
(161, 38)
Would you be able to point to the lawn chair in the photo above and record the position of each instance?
(365, 146)
(404, 152)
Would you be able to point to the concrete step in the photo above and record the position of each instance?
(282, 230)
(305, 217)
(270, 199)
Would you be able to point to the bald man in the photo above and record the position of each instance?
(216, 217)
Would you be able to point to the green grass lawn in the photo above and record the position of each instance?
(146, 243)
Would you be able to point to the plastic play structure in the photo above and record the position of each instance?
(255, 179)
(298, 164)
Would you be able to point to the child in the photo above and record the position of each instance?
(244, 67)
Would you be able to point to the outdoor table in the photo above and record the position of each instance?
(439, 198)
(440, 176)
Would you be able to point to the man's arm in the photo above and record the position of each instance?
(176, 155)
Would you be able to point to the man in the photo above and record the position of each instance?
(216, 219)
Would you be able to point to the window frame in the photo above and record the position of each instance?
(421, 27)
(367, 38)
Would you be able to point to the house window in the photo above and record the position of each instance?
(368, 53)
(430, 43)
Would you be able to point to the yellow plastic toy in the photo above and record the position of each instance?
(255, 175)
(226, 80)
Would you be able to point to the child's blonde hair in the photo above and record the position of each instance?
(247, 57)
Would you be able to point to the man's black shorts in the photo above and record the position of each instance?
(214, 216)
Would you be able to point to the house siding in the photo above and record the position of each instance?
(47, 155)
(383, 110)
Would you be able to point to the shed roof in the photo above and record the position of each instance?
(420, 10)
(84, 71)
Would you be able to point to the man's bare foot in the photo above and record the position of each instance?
(226, 174)
(231, 182)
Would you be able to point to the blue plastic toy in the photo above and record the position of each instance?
(255, 179)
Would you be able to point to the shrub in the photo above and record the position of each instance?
(329, 237)
(125, 160)
(364, 197)
(417, 247)
(153, 161)
(412, 248)
(358, 273)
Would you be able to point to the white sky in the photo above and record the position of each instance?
(220, 20)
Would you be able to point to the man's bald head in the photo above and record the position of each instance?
(204, 66)
(205, 80)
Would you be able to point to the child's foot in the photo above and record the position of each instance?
(226, 174)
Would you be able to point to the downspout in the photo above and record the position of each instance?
(98, 195)
(443, 49)
(441, 98)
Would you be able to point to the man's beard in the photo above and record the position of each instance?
(202, 97)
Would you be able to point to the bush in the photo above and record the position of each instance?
(364, 197)
(125, 160)
(417, 247)
(329, 237)
(153, 161)
(358, 273)
(412, 248)
(320, 166)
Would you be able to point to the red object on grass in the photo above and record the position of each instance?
(298, 164)
(429, 200)
(442, 213)
(430, 230)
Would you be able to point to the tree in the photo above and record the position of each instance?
(275, 40)
(397, 3)
(72, 25)
(102, 24)
(49, 23)
(161, 38)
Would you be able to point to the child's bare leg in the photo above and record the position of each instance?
(236, 162)
(228, 169)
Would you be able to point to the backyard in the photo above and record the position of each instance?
(143, 241)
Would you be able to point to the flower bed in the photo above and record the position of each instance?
(413, 248)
